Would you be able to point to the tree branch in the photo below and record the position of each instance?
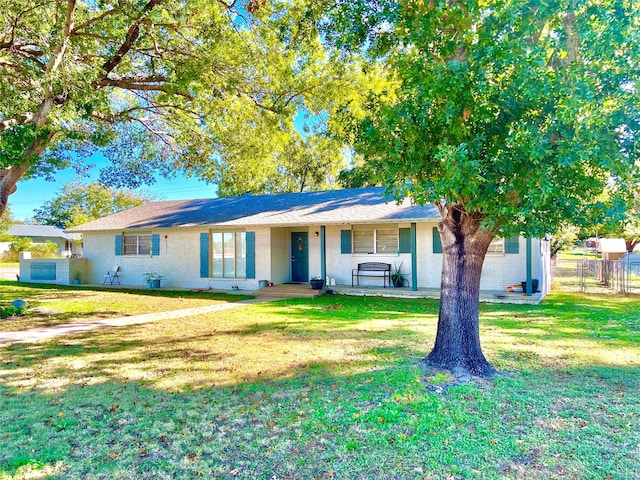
(130, 39)
(56, 59)
(77, 29)
(9, 177)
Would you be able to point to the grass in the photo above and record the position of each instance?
(54, 304)
(566, 273)
(329, 388)
(578, 254)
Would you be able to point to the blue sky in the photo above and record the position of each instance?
(31, 194)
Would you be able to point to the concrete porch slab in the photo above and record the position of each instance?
(489, 296)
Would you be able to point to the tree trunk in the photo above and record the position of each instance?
(464, 245)
(9, 177)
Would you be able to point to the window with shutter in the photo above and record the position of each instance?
(404, 240)
(437, 241)
(345, 241)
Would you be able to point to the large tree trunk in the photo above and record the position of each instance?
(464, 245)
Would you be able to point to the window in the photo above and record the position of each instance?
(504, 245)
(375, 240)
(229, 252)
(363, 241)
(137, 245)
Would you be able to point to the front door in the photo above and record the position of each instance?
(299, 257)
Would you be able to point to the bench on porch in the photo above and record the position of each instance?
(371, 269)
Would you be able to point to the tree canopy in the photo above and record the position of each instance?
(520, 111)
(159, 86)
(77, 203)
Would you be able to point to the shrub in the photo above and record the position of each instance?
(47, 249)
(44, 250)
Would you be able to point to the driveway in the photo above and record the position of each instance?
(9, 273)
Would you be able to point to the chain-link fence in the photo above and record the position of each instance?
(597, 276)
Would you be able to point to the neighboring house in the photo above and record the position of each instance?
(612, 248)
(68, 244)
(249, 241)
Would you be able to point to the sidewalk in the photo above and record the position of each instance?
(44, 333)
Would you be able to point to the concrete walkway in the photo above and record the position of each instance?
(44, 333)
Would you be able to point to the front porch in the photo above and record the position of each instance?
(304, 290)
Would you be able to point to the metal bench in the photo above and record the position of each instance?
(369, 269)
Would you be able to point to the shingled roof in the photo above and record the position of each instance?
(360, 205)
(38, 231)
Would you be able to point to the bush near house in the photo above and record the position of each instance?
(47, 249)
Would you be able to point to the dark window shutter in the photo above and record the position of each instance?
(404, 237)
(512, 245)
(437, 242)
(118, 244)
(345, 241)
(155, 244)
(204, 255)
(251, 254)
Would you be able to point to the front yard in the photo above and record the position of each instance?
(326, 388)
(50, 305)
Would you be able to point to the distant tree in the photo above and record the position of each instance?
(45, 249)
(294, 165)
(359, 176)
(510, 116)
(620, 217)
(77, 203)
(6, 221)
(565, 237)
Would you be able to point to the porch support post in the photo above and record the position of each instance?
(414, 259)
(323, 254)
(529, 269)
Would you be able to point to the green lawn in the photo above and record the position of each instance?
(578, 254)
(54, 304)
(329, 388)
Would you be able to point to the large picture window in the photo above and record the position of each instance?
(229, 252)
(137, 245)
(374, 240)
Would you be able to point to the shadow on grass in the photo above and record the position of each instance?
(377, 423)
(201, 353)
(570, 317)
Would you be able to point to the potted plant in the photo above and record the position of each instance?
(77, 277)
(396, 276)
(152, 279)
(317, 283)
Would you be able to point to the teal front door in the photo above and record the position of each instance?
(300, 257)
